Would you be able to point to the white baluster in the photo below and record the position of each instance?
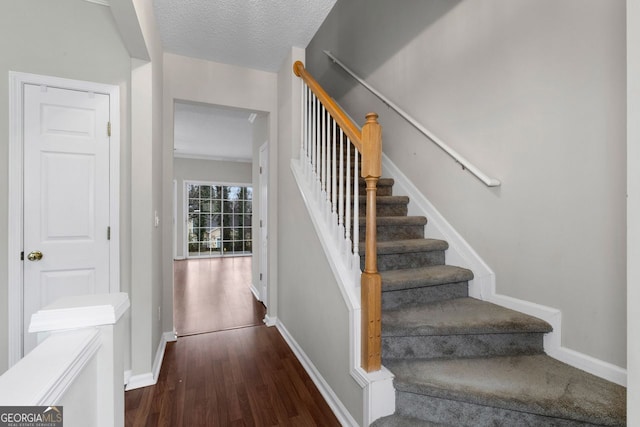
(334, 180)
(303, 124)
(347, 217)
(356, 203)
(341, 187)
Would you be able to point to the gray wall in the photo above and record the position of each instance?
(71, 39)
(532, 92)
(146, 198)
(310, 304)
(204, 170)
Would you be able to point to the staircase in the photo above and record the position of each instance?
(459, 361)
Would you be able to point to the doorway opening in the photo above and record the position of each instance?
(216, 231)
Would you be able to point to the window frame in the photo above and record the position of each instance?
(223, 242)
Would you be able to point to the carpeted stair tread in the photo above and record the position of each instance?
(400, 421)
(459, 316)
(536, 384)
(395, 280)
(411, 245)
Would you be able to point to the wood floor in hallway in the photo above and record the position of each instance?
(213, 294)
(244, 374)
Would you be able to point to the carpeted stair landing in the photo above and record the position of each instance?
(462, 362)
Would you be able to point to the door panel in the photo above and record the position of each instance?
(66, 196)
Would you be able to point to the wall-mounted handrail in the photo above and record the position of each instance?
(323, 153)
(487, 180)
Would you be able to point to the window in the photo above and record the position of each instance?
(219, 219)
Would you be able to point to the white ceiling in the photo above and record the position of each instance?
(212, 132)
(255, 34)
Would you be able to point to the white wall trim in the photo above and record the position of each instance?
(196, 156)
(140, 380)
(15, 244)
(150, 378)
(339, 410)
(175, 219)
(100, 2)
(255, 292)
(269, 320)
(483, 286)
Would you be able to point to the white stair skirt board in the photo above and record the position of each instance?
(150, 378)
(483, 286)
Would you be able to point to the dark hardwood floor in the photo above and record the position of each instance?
(246, 376)
(213, 294)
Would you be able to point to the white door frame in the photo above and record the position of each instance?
(175, 219)
(263, 261)
(15, 240)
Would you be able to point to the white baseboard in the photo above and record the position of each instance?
(139, 381)
(270, 321)
(483, 285)
(127, 376)
(150, 378)
(339, 410)
(255, 292)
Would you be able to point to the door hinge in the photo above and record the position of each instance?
(108, 128)
(260, 169)
(22, 256)
(260, 223)
(260, 276)
(108, 233)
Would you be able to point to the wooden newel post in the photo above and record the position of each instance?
(371, 282)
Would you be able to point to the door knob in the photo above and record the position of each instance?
(34, 256)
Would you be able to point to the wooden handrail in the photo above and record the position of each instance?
(369, 143)
(338, 114)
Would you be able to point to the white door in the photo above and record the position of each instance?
(66, 197)
(264, 174)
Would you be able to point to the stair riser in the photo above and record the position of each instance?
(408, 297)
(454, 346)
(382, 190)
(387, 233)
(407, 260)
(396, 209)
(462, 414)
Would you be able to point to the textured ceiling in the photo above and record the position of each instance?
(250, 33)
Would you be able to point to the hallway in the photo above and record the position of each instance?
(213, 294)
(242, 375)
